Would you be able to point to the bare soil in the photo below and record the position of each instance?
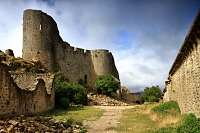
(108, 122)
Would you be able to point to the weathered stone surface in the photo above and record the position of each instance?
(19, 94)
(183, 83)
(9, 52)
(42, 42)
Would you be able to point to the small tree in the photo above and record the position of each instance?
(107, 84)
(151, 94)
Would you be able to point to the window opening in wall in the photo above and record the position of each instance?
(85, 79)
(40, 27)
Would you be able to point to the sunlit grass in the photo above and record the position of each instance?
(143, 119)
(78, 114)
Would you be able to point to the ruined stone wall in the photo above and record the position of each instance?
(184, 75)
(25, 93)
(41, 41)
(75, 63)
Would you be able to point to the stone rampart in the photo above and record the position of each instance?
(183, 83)
(42, 42)
(25, 93)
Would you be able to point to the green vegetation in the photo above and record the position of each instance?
(34, 70)
(64, 103)
(152, 117)
(107, 84)
(167, 107)
(75, 115)
(151, 94)
(73, 91)
(191, 125)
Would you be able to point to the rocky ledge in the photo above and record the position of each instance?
(37, 124)
(103, 100)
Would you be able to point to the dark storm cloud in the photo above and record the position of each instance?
(144, 36)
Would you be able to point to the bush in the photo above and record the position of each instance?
(107, 84)
(191, 125)
(64, 103)
(61, 91)
(165, 107)
(34, 70)
(151, 94)
(75, 92)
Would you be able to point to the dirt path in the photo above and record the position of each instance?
(108, 122)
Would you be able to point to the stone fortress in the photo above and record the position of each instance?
(29, 93)
(42, 42)
(183, 83)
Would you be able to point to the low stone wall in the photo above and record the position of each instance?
(25, 93)
(132, 97)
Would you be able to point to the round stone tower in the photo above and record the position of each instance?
(40, 35)
(104, 63)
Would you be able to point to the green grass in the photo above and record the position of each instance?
(166, 107)
(144, 119)
(136, 120)
(77, 114)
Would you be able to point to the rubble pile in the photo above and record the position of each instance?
(37, 124)
(103, 100)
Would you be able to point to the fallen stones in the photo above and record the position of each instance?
(103, 100)
(37, 124)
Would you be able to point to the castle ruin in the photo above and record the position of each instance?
(42, 42)
(183, 83)
(25, 93)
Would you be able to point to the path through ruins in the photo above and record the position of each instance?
(108, 122)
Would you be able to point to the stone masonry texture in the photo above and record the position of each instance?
(183, 83)
(25, 93)
(42, 42)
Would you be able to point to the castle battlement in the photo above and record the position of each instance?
(42, 42)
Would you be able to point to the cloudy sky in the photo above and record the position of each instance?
(143, 35)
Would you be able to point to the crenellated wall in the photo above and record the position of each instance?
(25, 93)
(42, 42)
(183, 83)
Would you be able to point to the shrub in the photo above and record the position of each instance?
(191, 125)
(64, 103)
(151, 94)
(107, 84)
(34, 70)
(165, 107)
(61, 91)
(77, 93)
(59, 77)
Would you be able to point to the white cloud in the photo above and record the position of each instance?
(144, 37)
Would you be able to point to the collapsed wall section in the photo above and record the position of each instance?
(25, 93)
(184, 75)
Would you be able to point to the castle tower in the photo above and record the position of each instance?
(104, 63)
(40, 34)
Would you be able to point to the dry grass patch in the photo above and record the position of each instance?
(144, 119)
